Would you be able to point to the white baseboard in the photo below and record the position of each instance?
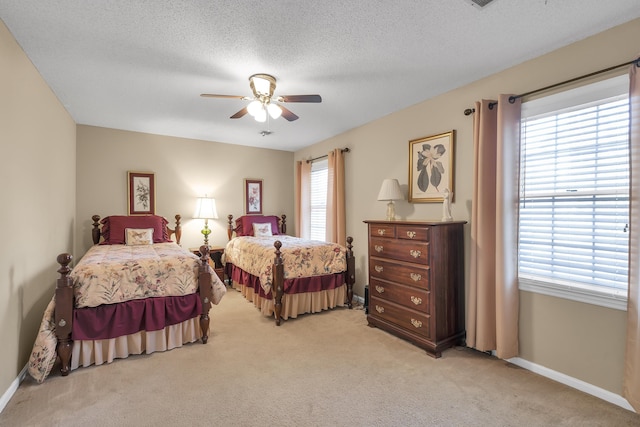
(358, 299)
(573, 382)
(6, 397)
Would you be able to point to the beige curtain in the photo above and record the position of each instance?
(492, 320)
(336, 218)
(303, 204)
(631, 381)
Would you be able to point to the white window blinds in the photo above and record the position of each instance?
(574, 201)
(319, 175)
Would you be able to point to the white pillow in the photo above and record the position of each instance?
(262, 230)
(138, 236)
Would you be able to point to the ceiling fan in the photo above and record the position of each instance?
(263, 102)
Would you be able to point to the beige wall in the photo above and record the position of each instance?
(184, 170)
(37, 189)
(580, 340)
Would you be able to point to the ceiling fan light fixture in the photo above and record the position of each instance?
(254, 107)
(261, 115)
(274, 110)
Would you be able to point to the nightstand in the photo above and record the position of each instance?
(215, 255)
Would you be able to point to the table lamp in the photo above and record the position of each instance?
(206, 209)
(390, 191)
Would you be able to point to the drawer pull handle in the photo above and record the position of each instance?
(414, 253)
(381, 231)
(416, 277)
(378, 248)
(379, 268)
(416, 300)
(380, 289)
(416, 323)
(411, 234)
(379, 309)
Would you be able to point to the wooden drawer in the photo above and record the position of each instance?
(399, 272)
(412, 232)
(382, 230)
(415, 298)
(397, 249)
(410, 320)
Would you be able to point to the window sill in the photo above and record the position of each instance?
(616, 301)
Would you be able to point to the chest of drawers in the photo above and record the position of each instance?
(416, 281)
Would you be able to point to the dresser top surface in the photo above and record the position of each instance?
(423, 222)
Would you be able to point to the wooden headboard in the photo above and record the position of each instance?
(282, 223)
(96, 232)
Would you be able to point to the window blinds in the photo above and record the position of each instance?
(574, 201)
(319, 179)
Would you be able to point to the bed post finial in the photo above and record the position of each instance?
(283, 224)
(63, 313)
(230, 227)
(95, 233)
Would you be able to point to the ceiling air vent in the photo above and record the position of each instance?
(479, 3)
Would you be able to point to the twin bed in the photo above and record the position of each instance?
(135, 292)
(302, 276)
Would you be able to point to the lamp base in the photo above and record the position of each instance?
(206, 231)
(391, 211)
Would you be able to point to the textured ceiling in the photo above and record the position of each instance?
(141, 65)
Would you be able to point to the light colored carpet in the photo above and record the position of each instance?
(326, 369)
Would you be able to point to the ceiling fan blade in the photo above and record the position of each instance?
(239, 113)
(300, 98)
(287, 114)
(213, 95)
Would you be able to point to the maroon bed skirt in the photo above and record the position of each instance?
(296, 285)
(150, 314)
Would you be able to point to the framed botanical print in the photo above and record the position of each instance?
(252, 196)
(431, 167)
(141, 193)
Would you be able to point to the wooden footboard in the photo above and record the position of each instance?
(278, 278)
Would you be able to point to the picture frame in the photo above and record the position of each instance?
(141, 193)
(431, 167)
(253, 196)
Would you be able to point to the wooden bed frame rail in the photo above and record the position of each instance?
(64, 299)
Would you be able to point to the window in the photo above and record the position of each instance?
(319, 179)
(574, 194)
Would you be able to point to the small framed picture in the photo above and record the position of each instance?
(141, 193)
(252, 196)
(431, 167)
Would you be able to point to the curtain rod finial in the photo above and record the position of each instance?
(469, 111)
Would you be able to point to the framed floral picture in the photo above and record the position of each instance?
(252, 196)
(431, 167)
(141, 193)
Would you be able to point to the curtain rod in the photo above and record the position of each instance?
(636, 61)
(344, 150)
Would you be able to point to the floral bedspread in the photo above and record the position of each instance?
(110, 274)
(138, 273)
(301, 258)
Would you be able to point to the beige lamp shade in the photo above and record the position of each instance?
(206, 209)
(390, 191)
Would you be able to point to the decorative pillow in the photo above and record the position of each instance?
(113, 228)
(262, 230)
(138, 236)
(244, 224)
